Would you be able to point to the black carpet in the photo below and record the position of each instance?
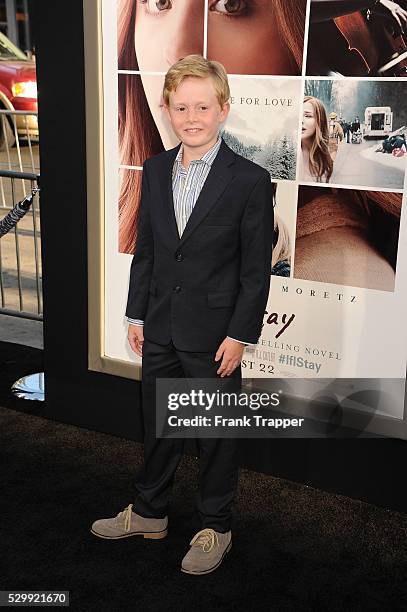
(294, 547)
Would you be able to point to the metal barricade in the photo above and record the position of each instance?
(20, 249)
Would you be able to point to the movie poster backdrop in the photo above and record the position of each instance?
(338, 277)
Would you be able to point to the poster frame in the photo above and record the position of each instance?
(98, 361)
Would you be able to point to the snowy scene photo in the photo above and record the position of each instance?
(354, 133)
(263, 123)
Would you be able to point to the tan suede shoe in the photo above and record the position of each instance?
(208, 547)
(127, 523)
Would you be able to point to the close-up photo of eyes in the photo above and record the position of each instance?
(160, 32)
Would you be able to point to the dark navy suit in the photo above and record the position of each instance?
(192, 292)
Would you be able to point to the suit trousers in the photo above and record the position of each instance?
(218, 457)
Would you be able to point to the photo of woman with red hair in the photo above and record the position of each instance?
(153, 34)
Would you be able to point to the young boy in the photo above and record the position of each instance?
(199, 283)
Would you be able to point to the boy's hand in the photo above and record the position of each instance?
(232, 352)
(136, 338)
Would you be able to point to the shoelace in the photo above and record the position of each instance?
(205, 538)
(127, 517)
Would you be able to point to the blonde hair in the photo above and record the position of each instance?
(282, 248)
(199, 67)
(320, 160)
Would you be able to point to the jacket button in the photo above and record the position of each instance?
(177, 288)
(179, 257)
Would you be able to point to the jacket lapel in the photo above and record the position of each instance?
(218, 178)
(166, 190)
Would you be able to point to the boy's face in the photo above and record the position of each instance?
(195, 112)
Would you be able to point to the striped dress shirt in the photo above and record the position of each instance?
(187, 184)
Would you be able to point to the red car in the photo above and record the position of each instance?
(18, 91)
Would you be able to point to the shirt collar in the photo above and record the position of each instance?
(208, 157)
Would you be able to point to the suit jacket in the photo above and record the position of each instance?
(214, 281)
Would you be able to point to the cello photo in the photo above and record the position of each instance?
(357, 38)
